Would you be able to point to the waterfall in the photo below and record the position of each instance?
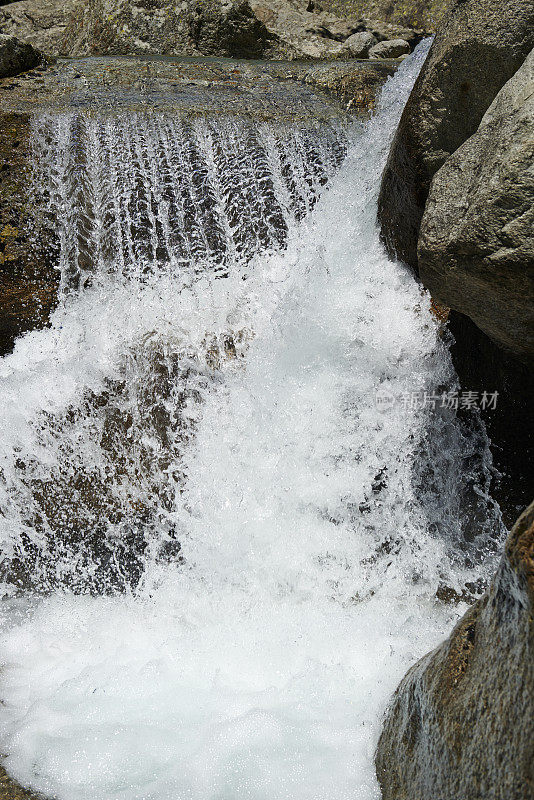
(221, 550)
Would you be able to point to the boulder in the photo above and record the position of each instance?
(390, 49)
(40, 22)
(17, 56)
(359, 44)
(461, 724)
(476, 244)
(479, 46)
(234, 31)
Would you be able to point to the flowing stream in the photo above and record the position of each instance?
(220, 552)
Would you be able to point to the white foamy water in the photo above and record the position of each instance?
(211, 382)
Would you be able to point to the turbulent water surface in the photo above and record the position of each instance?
(220, 554)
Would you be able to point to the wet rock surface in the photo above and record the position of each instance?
(481, 366)
(28, 245)
(29, 248)
(461, 723)
(266, 90)
(484, 258)
(476, 255)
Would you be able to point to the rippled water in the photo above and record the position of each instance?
(221, 555)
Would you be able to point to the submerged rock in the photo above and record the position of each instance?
(29, 246)
(476, 246)
(17, 56)
(479, 46)
(461, 723)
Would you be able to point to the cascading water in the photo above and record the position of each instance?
(148, 211)
(239, 550)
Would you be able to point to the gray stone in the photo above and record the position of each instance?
(40, 22)
(17, 56)
(359, 44)
(461, 723)
(476, 50)
(392, 48)
(476, 245)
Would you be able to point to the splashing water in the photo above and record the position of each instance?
(198, 429)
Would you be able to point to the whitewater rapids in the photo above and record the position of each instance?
(294, 533)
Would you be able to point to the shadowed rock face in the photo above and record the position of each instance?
(461, 723)
(479, 46)
(17, 56)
